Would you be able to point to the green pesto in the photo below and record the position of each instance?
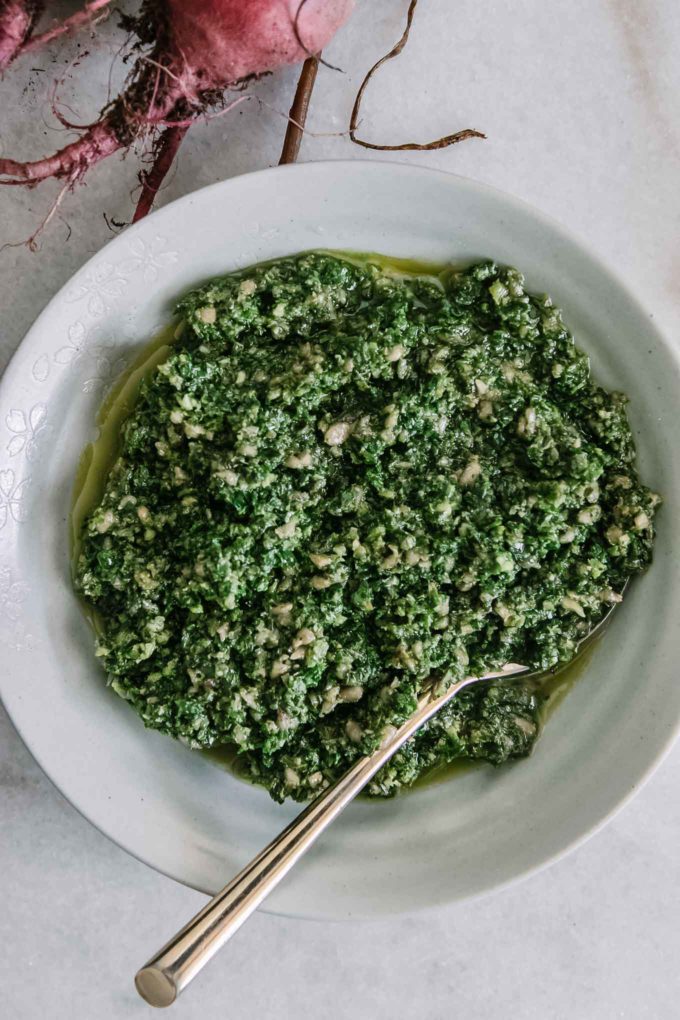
(343, 483)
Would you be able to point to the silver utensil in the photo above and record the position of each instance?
(162, 979)
(167, 973)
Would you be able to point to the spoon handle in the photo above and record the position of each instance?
(166, 974)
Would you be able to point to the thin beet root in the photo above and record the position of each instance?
(72, 161)
(165, 150)
(438, 143)
(18, 19)
(93, 12)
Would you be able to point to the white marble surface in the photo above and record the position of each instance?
(579, 100)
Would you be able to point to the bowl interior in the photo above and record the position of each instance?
(175, 808)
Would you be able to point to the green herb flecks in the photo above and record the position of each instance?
(342, 483)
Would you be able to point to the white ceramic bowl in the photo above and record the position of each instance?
(173, 808)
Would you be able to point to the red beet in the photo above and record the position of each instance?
(189, 54)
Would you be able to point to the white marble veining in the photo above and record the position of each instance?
(579, 101)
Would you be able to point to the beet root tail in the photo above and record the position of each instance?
(74, 160)
(164, 153)
(91, 14)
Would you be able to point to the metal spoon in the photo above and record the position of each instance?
(167, 973)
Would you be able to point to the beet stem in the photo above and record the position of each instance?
(299, 110)
(166, 150)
